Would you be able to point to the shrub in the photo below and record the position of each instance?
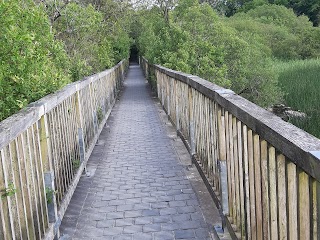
(196, 40)
(33, 63)
(288, 36)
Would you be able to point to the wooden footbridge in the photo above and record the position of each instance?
(262, 173)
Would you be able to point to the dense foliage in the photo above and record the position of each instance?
(235, 52)
(288, 36)
(46, 44)
(310, 8)
(198, 41)
(33, 63)
(93, 42)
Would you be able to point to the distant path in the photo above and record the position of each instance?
(137, 187)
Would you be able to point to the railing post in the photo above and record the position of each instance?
(191, 123)
(177, 106)
(168, 96)
(222, 162)
(157, 74)
(80, 128)
(93, 106)
(49, 177)
(162, 90)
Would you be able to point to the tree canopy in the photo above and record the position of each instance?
(46, 44)
(310, 8)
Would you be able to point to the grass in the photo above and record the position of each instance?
(300, 81)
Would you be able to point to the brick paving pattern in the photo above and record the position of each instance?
(135, 187)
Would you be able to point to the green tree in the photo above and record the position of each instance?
(33, 63)
(311, 8)
(81, 29)
(288, 36)
(197, 41)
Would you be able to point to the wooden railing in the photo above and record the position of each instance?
(44, 149)
(263, 172)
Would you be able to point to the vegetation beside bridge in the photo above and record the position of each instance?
(235, 43)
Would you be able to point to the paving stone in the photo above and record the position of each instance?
(170, 226)
(124, 222)
(115, 215)
(202, 233)
(184, 234)
(150, 212)
(125, 207)
(142, 236)
(188, 209)
(105, 223)
(116, 202)
(162, 219)
(143, 220)
(163, 235)
(168, 211)
(190, 225)
(133, 229)
(123, 237)
(112, 231)
(152, 228)
(141, 206)
(181, 217)
(177, 203)
(132, 214)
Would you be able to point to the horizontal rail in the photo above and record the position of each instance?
(44, 149)
(264, 171)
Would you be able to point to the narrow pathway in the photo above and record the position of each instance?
(136, 187)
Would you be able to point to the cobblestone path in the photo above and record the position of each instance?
(136, 187)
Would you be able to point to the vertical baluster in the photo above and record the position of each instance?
(304, 206)
(273, 194)
(265, 189)
(257, 179)
(292, 201)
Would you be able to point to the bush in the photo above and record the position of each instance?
(196, 40)
(81, 29)
(33, 63)
(288, 36)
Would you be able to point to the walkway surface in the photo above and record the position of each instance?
(136, 186)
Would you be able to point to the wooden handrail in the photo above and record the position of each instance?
(263, 171)
(44, 149)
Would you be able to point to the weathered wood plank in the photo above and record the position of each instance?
(236, 172)
(241, 181)
(251, 162)
(246, 182)
(265, 189)
(258, 186)
(39, 179)
(304, 206)
(4, 204)
(15, 155)
(273, 193)
(282, 197)
(23, 186)
(33, 182)
(292, 201)
(226, 118)
(9, 180)
(316, 209)
(232, 195)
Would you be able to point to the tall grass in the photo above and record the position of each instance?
(300, 81)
